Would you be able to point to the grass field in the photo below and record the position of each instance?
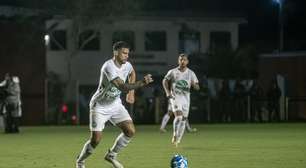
(213, 146)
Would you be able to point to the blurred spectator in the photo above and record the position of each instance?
(225, 102)
(240, 102)
(148, 94)
(256, 95)
(2, 106)
(140, 106)
(12, 103)
(274, 94)
(2, 100)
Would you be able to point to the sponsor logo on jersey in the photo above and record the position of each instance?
(112, 93)
(182, 86)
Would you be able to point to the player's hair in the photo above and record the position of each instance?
(120, 44)
(183, 55)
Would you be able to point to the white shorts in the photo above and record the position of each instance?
(99, 115)
(179, 105)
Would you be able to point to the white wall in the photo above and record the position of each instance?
(86, 64)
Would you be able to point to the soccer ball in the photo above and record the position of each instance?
(179, 161)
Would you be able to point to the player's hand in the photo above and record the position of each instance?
(147, 79)
(130, 97)
(194, 85)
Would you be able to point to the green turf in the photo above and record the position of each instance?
(213, 146)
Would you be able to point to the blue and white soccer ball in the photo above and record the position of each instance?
(179, 161)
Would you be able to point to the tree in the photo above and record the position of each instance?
(246, 59)
(220, 63)
(226, 63)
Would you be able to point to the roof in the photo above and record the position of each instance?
(178, 15)
(9, 11)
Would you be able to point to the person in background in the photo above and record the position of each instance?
(177, 84)
(12, 105)
(225, 99)
(240, 101)
(273, 95)
(256, 94)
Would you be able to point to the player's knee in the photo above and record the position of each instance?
(94, 141)
(130, 132)
(179, 117)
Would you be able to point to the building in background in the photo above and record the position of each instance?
(289, 70)
(156, 42)
(22, 54)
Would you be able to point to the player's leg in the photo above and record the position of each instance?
(177, 123)
(189, 128)
(123, 120)
(97, 122)
(178, 118)
(165, 121)
(9, 118)
(123, 139)
(167, 116)
(88, 148)
(128, 131)
(181, 129)
(182, 124)
(15, 124)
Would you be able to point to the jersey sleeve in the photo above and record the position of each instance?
(110, 72)
(194, 77)
(169, 75)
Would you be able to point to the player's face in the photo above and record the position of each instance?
(183, 62)
(123, 55)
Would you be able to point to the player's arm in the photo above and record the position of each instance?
(166, 87)
(125, 87)
(3, 83)
(195, 82)
(130, 97)
(195, 85)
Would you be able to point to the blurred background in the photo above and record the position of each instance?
(249, 56)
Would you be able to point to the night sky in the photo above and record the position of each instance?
(262, 15)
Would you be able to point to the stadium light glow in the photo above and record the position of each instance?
(281, 23)
(47, 39)
(277, 1)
